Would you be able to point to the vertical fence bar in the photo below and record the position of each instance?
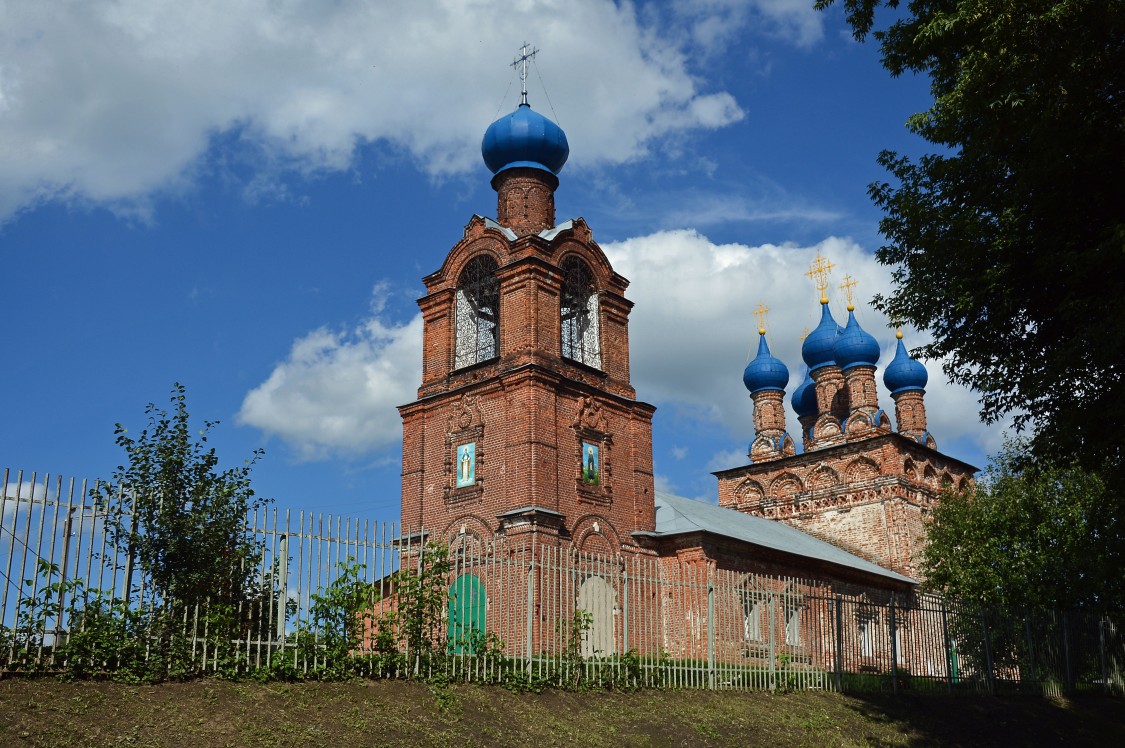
(989, 675)
(1101, 654)
(8, 570)
(839, 604)
(894, 647)
(947, 646)
(711, 634)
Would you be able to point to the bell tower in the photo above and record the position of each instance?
(526, 423)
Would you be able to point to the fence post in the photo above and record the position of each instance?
(127, 595)
(947, 646)
(839, 601)
(773, 642)
(68, 525)
(624, 610)
(711, 634)
(894, 647)
(529, 624)
(283, 582)
(987, 653)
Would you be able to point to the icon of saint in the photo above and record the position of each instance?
(466, 465)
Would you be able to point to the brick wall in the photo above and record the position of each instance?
(869, 496)
(529, 410)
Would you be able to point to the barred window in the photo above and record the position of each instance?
(751, 616)
(581, 331)
(792, 624)
(477, 313)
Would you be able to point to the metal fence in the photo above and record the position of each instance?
(543, 611)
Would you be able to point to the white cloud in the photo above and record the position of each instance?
(693, 330)
(25, 490)
(337, 391)
(715, 24)
(112, 101)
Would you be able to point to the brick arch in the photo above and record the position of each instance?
(861, 469)
(477, 529)
(823, 476)
(489, 247)
(785, 486)
(577, 251)
(603, 540)
(588, 251)
(462, 254)
(930, 476)
(749, 492)
(964, 484)
(857, 423)
(910, 468)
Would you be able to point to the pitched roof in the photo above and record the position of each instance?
(676, 515)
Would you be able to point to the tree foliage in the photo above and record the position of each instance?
(1009, 242)
(1027, 536)
(180, 517)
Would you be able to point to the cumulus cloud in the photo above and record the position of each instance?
(336, 392)
(25, 490)
(111, 101)
(692, 332)
(693, 328)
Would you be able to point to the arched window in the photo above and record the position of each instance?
(477, 313)
(581, 333)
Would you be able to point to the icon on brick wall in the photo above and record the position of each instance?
(466, 465)
(591, 474)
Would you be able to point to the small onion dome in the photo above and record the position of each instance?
(766, 371)
(804, 397)
(854, 346)
(904, 373)
(524, 138)
(817, 348)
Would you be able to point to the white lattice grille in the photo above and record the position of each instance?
(581, 328)
(477, 313)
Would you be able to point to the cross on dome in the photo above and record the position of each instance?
(526, 55)
(848, 287)
(819, 271)
(760, 313)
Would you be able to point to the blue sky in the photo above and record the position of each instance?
(244, 197)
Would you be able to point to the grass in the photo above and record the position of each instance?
(214, 714)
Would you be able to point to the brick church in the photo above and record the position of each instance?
(527, 429)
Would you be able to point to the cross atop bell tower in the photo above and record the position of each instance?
(526, 55)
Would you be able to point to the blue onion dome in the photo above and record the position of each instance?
(904, 373)
(524, 138)
(817, 348)
(804, 397)
(854, 346)
(766, 371)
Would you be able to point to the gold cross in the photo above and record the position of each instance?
(849, 290)
(804, 335)
(760, 313)
(819, 272)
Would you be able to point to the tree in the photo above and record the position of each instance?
(1009, 242)
(1027, 536)
(182, 520)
